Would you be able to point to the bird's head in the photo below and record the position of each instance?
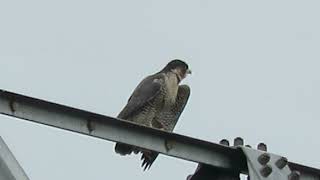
(178, 67)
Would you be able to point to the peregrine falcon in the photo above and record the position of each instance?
(157, 102)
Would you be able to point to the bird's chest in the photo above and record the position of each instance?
(171, 85)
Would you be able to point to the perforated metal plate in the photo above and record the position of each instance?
(266, 166)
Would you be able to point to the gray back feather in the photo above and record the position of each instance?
(144, 93)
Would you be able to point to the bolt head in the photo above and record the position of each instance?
(282, 162)
(264, 158)
(262, 147)
(238, 141)
(266, 170)
(225, 142)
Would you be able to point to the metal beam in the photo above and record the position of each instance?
(9, 166)
(100, 126)
(113, 129)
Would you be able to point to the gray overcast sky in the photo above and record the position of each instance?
(255, 63)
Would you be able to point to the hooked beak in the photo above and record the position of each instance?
(189, 71)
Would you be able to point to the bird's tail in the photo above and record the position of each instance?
(123, 149)
(148, 157)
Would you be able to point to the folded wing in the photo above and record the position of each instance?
(168, 119)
